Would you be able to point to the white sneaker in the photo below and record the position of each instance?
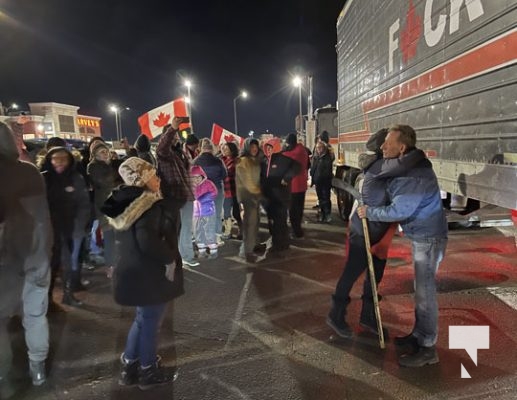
(190, 263)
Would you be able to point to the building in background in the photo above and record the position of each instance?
(56, 119)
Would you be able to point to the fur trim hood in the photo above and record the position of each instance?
(127, 204)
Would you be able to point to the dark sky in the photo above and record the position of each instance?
(91, 53)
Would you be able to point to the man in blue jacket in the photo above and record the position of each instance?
(415, 201)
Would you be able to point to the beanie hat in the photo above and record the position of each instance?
(96, 146)
(375, 141)
(291, 139)
(136, 172)
(324, 137)
(197, 170)
(55, 141)
(191, 140)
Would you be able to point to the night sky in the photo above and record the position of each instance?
(92, 53)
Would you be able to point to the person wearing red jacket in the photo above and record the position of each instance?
(297, 152)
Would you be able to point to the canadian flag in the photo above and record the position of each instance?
(221, 135)
(152, 122)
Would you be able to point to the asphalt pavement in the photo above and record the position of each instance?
(257, 331)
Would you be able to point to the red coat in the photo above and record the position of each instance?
(300, 154)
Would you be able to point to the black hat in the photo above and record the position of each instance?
(192, 139)
(55, 141)
(375, 141)
(291, 139)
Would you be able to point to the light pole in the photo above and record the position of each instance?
(114, 109)
(188, 100)
(244, 95)
(118, 120)
(297, 82)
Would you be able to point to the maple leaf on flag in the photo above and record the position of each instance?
(162, 120)
(229, 138)
(410, 35)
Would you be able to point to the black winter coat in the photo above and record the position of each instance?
(214, 168)
(146, 237)
(321, 169)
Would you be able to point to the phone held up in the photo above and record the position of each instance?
(184, 120)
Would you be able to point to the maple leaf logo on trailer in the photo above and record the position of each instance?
(410, 35)
(162, 120)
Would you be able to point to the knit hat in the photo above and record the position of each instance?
(96, 146)
(197, 170)
(192, 140)
(375, 141)
(291, 139)
(55, 141)
(136, 172)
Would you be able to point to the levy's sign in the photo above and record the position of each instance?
(88, 122)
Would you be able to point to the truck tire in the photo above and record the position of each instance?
(345, 200)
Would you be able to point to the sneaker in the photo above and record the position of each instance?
(190, 263)
(154, 376)
(129, 372)
(343, 331)
(37, 372)
(424, 356)
(327, 219)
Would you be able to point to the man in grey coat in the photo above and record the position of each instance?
(25, 244)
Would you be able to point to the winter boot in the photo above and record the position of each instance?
(368, 319)
(336, 318)
(153, 376)
(128, 372)
(68, 296)
(212, 248)
(37, 372)
(201, 248)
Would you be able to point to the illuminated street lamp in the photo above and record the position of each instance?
(244, 95)
(188, 100)
(297, 82)
(118, 122)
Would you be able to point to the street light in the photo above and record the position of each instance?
(118, 121)
(244, 95)
(297, 82)
(188, 100)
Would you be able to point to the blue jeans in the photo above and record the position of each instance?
(205, 231)
(142, 339)
(185, 240)
(219, 209)
(427, 255)
(94, 249)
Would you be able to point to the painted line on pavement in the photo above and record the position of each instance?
(230, 388)
(507, 295)
(307, 350)
(238, 311)
(204, 275)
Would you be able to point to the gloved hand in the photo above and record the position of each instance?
(169, 271)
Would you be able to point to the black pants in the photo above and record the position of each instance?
(356, 264)
(323, 192)
(236, 211)
(277, 221)
(296, 212)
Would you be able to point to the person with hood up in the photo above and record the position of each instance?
(277, 172)
(204, 212)
(216, 172)
(321, 174)
(146, 275)
(230, 152)
(249, 194)
(69, 205)
(25, 246)
(143, 149)
(103, 178)
(297, 152)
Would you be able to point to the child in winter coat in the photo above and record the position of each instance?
(204, 212)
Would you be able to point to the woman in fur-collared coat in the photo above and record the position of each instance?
(146, 275)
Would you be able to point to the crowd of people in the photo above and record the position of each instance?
(152, 214)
